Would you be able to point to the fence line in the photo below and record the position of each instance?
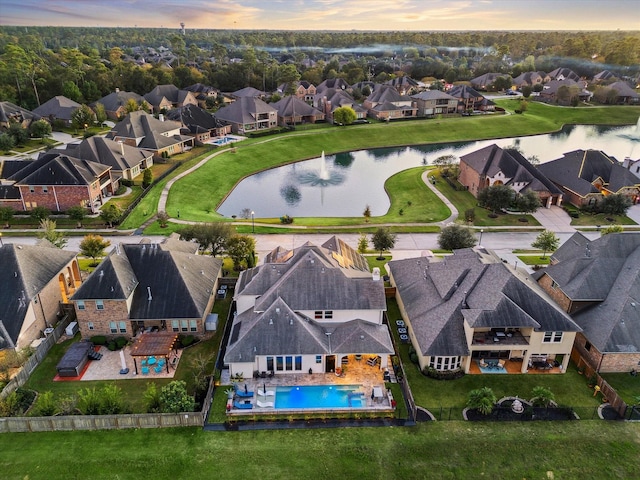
(34, 360)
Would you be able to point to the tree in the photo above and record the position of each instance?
(495, 197)
(454, 236)
(175, 399)
(101, 113)
(82, 117)
(93, 246)
(48, 232)
(547, 241)
(71, 91)
(344, 116)
(239, 247)
(444, 162)
(77, 213)
(363, 243)
(526, 91)
(524, 105)
(383, 240)
(6, 214)
(39, 213)
(481, 399)
(6, 142)
(111, 214)
(151, 399)
(611, 229)
(147, 178)
(40, 129)
(615, 204)
(163, 219)
(210, 236)
(20, 135)
(367, 213)
(542, 396)
(527, 202)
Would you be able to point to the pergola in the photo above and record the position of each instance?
(156, 344)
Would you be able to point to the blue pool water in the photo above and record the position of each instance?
(222, 141)
(320, 396)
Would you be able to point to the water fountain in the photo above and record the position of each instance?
(517, 406)
(322, 178)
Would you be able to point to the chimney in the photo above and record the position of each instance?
(376, 274)
(149, 298)
(117, 90)
(161, 117)
(121, 147)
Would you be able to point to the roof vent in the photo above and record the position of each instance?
(291, 321)
(149, 293)
(376, 274)
(277, 309)
(101, 274)
(271, 321)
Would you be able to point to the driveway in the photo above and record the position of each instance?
(554, 219)
(634, 213)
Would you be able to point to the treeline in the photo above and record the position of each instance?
(84, 64)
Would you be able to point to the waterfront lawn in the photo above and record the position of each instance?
(448, 450)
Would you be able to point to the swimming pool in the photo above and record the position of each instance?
(320, 396)
(223, 141)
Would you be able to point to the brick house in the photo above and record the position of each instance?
(596, 282)
(385, 103)
(435, 102)
(58, 181)
(163, 285)
(292, 111)
(115, 104)
(165, 97)
(199, 123)
(493, 165)
(35, 280)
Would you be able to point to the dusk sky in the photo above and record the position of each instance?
(329, 14)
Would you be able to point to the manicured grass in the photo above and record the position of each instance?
(627, 386)
(448, 450)
(534, 259)
(124, 201)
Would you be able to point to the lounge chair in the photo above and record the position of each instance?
(241, 393)
(264, 404)
(268, 393)
(501, 364)
(483, 364)
(242, 406)
(158, 369)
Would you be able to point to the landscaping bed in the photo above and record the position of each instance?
(504, 413)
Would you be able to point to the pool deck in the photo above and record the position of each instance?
(356, 373)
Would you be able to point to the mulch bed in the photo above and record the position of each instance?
(503, 413)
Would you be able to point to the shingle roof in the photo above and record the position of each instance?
(117, 155)
(244, 110)
(149, 130)
(470, 285)
(57, 107)
(115, 100)
(11, 112)
(59, 169)
(606, 273)
(291, 105)
(195, 118)
(248, 92)
(433, 95)
(25, 271)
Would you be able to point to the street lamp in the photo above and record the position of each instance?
(253, 222)
(480, 241)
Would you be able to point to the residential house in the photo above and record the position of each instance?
(115, 104)
(125, 161)
(564, 92)
(58, 108)
(625, 95)
(404, 85)
(165, 97)
(203, 93)
(59, 181)
(605, 76)
(464, 309)
(530, 79)
(9, 193)
(34, 281)
(249, 92)
(141, 286)
(142, 130)
(493, 165)
(435, 102)
(385, 103)
(586, 176)
(293, 110)
(632, 165)
(248, 114)
(199, 123)
(597, 283)
(469, 99)
(332, 84)
(328, 100)
(302, 89)
(10, 113)
(563, 74)
(486, 81)
(306, 310)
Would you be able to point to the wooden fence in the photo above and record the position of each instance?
(34, 360)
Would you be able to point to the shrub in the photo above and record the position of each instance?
(98, 340)
(444, 375)
(186, 340)
(120, 342)
(112, 346)
(126, 182)
(286, 219)
(481, 399)
(413, 356)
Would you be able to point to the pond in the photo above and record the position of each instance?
(343, 185)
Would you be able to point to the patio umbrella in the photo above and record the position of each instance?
(372, 395)
(246, 390)
(264, 385)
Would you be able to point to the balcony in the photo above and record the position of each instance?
(499, 339)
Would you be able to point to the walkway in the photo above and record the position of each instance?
(554, 219)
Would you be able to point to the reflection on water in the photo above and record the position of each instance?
(348, 182)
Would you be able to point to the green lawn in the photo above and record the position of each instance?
(627, 386)
(439, 450)
(221, 173)
(537, 259)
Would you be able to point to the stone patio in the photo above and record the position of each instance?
(109, 366)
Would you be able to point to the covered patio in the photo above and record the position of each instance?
(154, 350)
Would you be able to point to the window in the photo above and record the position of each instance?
(298, 364)
(587, 346)
(90, 325)
(318, 358)
(45, 189)
(80, 304)
(554, 284)
(318, 314)
(123, 327)
(113, 327)
(99, 305)
(445, 363)
(552, 337)
(32, 189)
(270, 364)
(328, 314)
(175, 325)
(184, 325)
(193, 325)
(289, 363)
(279, 364)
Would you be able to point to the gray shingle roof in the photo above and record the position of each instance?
(439, 295)
(59, 169)
(117, 155)
(244, 110)
(195, 118)
(607, 274)
(149, 130)
(57, 107)
(292, 105)
(115, 100)
(12, 112)
(25, 271)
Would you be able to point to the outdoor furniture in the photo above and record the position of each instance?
(158, 369)
(267, 393)
(372, 361)
(242, 393)
(145, 370)
(265, 404)
(400, 323)
(402, 330)
(483, 364)
(161, 362)
(501, 364)
(242, 406)
(151, 361)
(143, 362)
